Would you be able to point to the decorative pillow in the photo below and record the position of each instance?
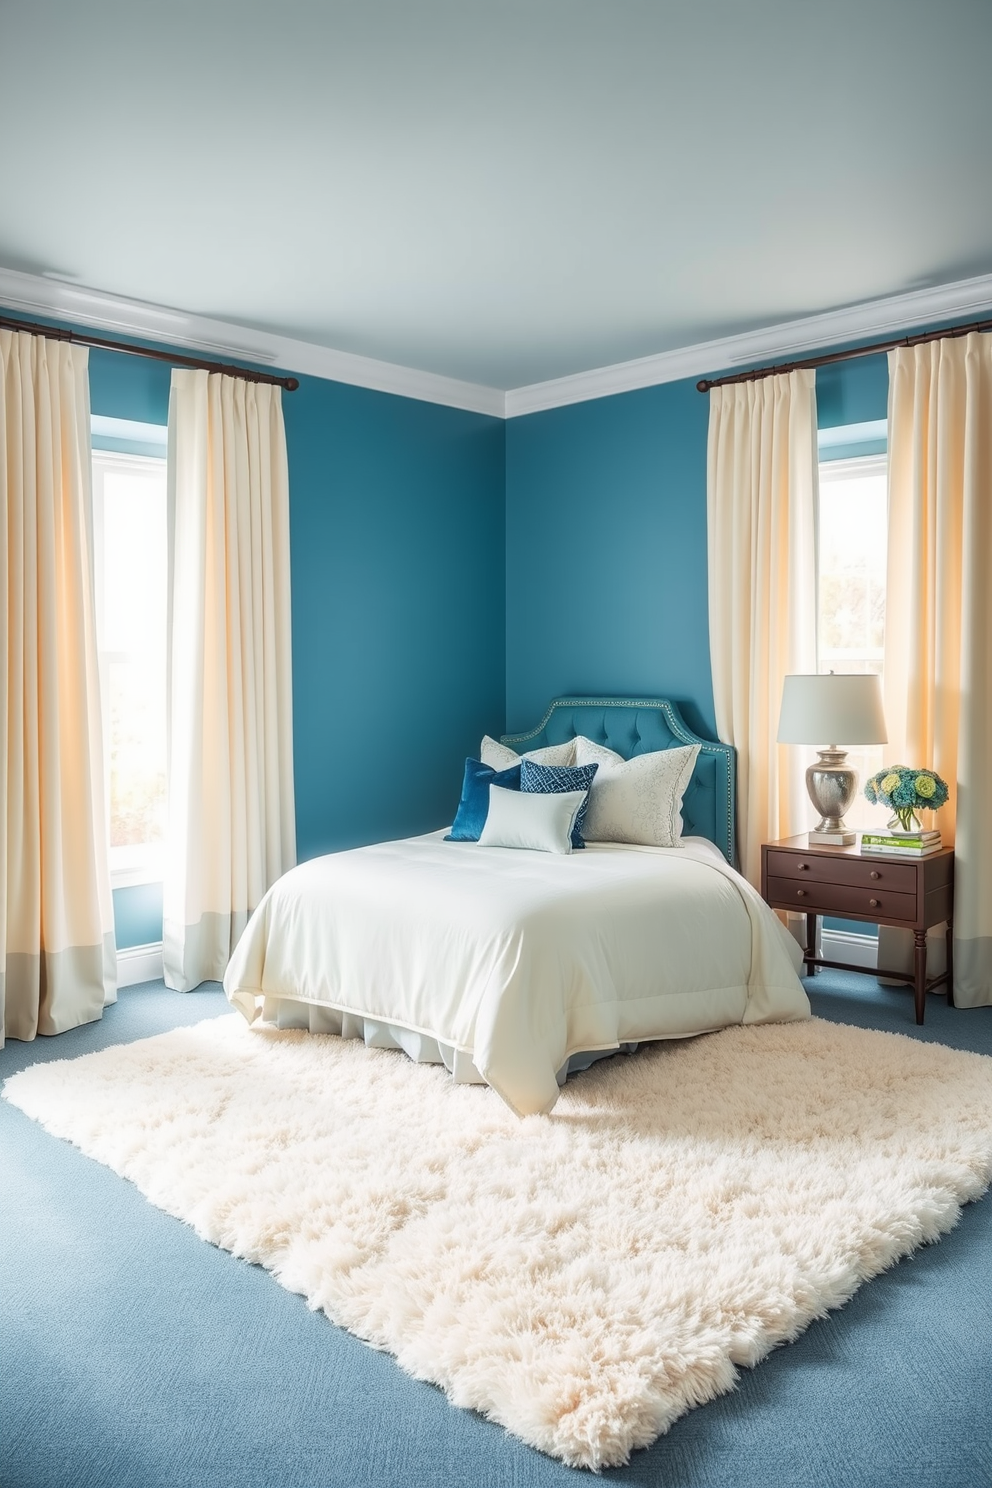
(552, 780)
(636, 800)
(541, 822)
(500, 757)
(470, 818)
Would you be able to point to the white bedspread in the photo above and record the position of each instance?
(520, 959)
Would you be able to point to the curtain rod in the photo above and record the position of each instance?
(80, 338)
(843, 356)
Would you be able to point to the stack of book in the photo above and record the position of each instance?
(904, 845)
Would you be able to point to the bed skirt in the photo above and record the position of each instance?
(312, 1017)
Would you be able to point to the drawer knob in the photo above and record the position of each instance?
(803, 867)
(801, 893)
(873, 903)
(875, 874)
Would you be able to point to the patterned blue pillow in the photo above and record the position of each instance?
(555, 780)
(473, 808)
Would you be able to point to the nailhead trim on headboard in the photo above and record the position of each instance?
(724, 826)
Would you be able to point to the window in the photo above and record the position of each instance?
(130, 542)
(851, 583)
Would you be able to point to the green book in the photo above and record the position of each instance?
(882, 839)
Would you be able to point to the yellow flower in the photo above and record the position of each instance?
(926, 786)
(889, 783)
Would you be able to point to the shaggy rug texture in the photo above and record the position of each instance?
(585, 1277)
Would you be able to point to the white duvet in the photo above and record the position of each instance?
(518, 960)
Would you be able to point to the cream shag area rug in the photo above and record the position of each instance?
(586, 1277)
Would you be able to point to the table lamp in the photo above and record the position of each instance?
(832, 706)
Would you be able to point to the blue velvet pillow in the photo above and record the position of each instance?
(473, 808)
(554, 780)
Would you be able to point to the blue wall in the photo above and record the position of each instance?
(129, 387)
(855, 392)
(138, 915)
(397, 539)
(398, 558)
(606, 584)
(606, 552)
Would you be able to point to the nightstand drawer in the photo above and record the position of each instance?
(868, 873)
(817, 897)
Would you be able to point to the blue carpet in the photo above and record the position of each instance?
(136, 1356)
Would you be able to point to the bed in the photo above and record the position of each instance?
(514, 967)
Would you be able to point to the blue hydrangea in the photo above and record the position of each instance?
(904, 795)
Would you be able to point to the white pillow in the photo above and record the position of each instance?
(499, 757)
(636, 800)
(530, 819)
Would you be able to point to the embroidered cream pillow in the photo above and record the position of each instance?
(636, 800)
(499, 757)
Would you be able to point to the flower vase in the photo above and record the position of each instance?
(904, 822)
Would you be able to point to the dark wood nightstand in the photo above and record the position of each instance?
(910, 893)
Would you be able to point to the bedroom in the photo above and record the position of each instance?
(452, 571)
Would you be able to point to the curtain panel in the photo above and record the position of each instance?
(761, 534)
(232, 828)
(57, 952)
(938, 626)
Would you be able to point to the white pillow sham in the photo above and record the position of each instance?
(636, 800)
(499, 757)
(542, 823)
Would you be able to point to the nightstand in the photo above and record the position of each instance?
(909, 893)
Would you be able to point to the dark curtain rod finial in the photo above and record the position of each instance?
(175, 359)
(755, 375)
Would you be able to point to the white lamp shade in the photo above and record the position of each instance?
(840, 709)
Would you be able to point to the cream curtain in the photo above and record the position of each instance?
(938, 627)
(761, 526)
(57, 954)
(231, 805)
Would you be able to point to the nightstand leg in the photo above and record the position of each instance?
(810, 951)
(920, 971)
(950, 965)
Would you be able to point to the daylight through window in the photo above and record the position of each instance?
(851, 585)
(129, 511)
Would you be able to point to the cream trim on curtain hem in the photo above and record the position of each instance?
(938, 631)
(57, 958)
(761, 530)
(232, 829)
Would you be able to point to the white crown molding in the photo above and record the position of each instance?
(38, 295)
(879, 319)
(792, 339)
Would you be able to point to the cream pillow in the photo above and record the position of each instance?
(636, 800)
(540, 822)
(500, 757)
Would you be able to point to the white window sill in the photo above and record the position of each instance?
(132, 878)
(132, 866)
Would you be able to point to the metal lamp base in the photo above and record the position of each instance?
(832, 786)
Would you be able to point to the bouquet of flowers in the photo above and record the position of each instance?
(906, 792)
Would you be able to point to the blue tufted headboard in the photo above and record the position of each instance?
(638, 726)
